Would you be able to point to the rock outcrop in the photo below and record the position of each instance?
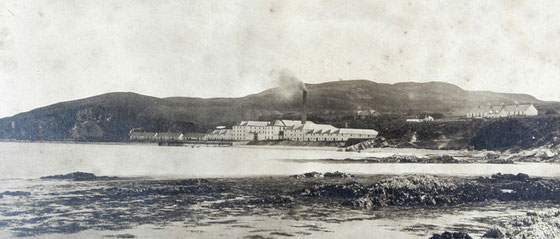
(428, 190)
(78, 176)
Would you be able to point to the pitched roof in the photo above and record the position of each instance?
(294, 122)
(520, 107)
(494, 109)
(310, 126)
(357, 131)
(221, 131)
(253, 123)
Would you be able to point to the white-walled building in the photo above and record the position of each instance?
(427, 118)
(496, 111)
(220, 134)
(292, 130)
(248, 130)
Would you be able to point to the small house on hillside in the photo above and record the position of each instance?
(143, 136)
(496, 111)
(428, 118)
(363, 114)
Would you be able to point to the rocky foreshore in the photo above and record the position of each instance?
(544, 224)
(428, 190)
(396, 158)
(547, 154)
(314, 196)
(78, 176)
(405, 158)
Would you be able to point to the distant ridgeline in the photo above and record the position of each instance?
(342, 104)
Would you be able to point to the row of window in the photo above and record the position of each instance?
(508, 113)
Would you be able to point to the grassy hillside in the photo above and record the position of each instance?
(109, 117)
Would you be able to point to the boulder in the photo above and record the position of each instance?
(308, 175)
(337, 174)
(449, 235)
(494, 233)
(511, 177)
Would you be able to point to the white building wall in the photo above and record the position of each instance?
(532, 111)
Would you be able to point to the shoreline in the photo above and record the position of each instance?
(121, 206)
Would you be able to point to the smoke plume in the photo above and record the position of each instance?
(288, 84)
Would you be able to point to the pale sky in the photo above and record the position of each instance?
(52, 51)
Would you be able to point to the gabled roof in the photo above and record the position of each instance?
(520, 107)
(253, 123)
(318, 131)
(312, 127)
(221, 131)
(293, 122)
(287, 123)
(495, 109)
(357, 131)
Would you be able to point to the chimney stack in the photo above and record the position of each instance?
(304, 110)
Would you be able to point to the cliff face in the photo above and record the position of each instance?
(110, 117)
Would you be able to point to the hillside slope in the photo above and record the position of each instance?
(109, 117)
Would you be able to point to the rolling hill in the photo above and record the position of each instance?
(111, 116)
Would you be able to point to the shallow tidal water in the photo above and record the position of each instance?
(33, 160)
(152, 200)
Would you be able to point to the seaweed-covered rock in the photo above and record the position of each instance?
(512, 177)
(533, 225)
(15, 193)
(413, 190)
(276, 199)
(491, 155)
(428, 190)
(309, 175)
(337, 174)
(396, 158)
(501, 161)
(348, 190)
(449, 235)
(494, 233)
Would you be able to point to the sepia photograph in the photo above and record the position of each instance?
(260, 119)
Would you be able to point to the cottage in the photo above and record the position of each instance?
(427, 118)
(496, 111)
(364, 114)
